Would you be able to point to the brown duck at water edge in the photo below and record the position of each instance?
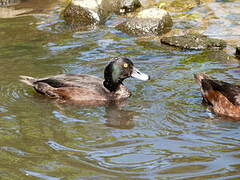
(86, 89)
(221, 97)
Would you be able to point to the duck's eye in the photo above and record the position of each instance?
(125, 65)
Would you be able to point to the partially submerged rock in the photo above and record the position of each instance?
(152, 21)
(210, 55)
(9, 2)
(148, 3)
(194, 41)
(126, 6)
(80, 13)
(85, 13)
(178, 5)
(238, 52)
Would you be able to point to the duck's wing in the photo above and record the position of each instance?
(72, 80)
(81, 82)
(230, 91)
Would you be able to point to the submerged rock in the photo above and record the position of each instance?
(194, 41)
(210, 55)
(178, 5)
(151, 21)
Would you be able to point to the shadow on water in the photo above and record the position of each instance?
(119, 118)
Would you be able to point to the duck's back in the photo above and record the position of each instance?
(80, 88)
(74, 80)
(222, 97)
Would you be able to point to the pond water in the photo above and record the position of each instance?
(162, 132)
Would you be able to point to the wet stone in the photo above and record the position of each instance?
(83, 13)
(77, 15)
(238, 51)
(151, 21)
(9, 2)
(194, 42)
(127, 6)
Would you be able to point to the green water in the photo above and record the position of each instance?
(162, 132)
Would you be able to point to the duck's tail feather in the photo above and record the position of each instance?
(199, 77)
(28, 80)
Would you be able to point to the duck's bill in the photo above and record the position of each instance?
(139, 75)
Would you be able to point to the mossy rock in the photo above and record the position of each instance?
(194, 42)
(178, 5)
(77, 15)
(151, 21)
(209, 55)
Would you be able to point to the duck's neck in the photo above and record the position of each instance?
(111, 76)
(111, 85)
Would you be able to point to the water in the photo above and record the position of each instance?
(162, 132)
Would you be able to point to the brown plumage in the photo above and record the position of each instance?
(86, 89)
(221, 97)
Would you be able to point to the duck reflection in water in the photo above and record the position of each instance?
(118, 117)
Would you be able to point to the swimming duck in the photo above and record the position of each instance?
(221, 97)
(87, 89)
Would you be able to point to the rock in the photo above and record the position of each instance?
(80, 13)
(148, 3)
(178, 5)
(83, 13)
(11, 12)
(210, 55)
(194, 41)
(9, 2)
(120, 6)
(238, 52)
(152, 21)
(126, 6)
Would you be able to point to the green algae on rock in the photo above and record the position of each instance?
(178, 5)
(213, 55)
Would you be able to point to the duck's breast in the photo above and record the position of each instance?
(122, 93)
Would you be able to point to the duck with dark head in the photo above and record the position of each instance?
(86, 89)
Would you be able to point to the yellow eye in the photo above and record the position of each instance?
(125, 65)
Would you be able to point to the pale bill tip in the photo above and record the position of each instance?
(139, 75)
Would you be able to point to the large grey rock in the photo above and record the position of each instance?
(84, 13)
(194, 41)
(152, 21)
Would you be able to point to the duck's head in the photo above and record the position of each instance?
(119, 69)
